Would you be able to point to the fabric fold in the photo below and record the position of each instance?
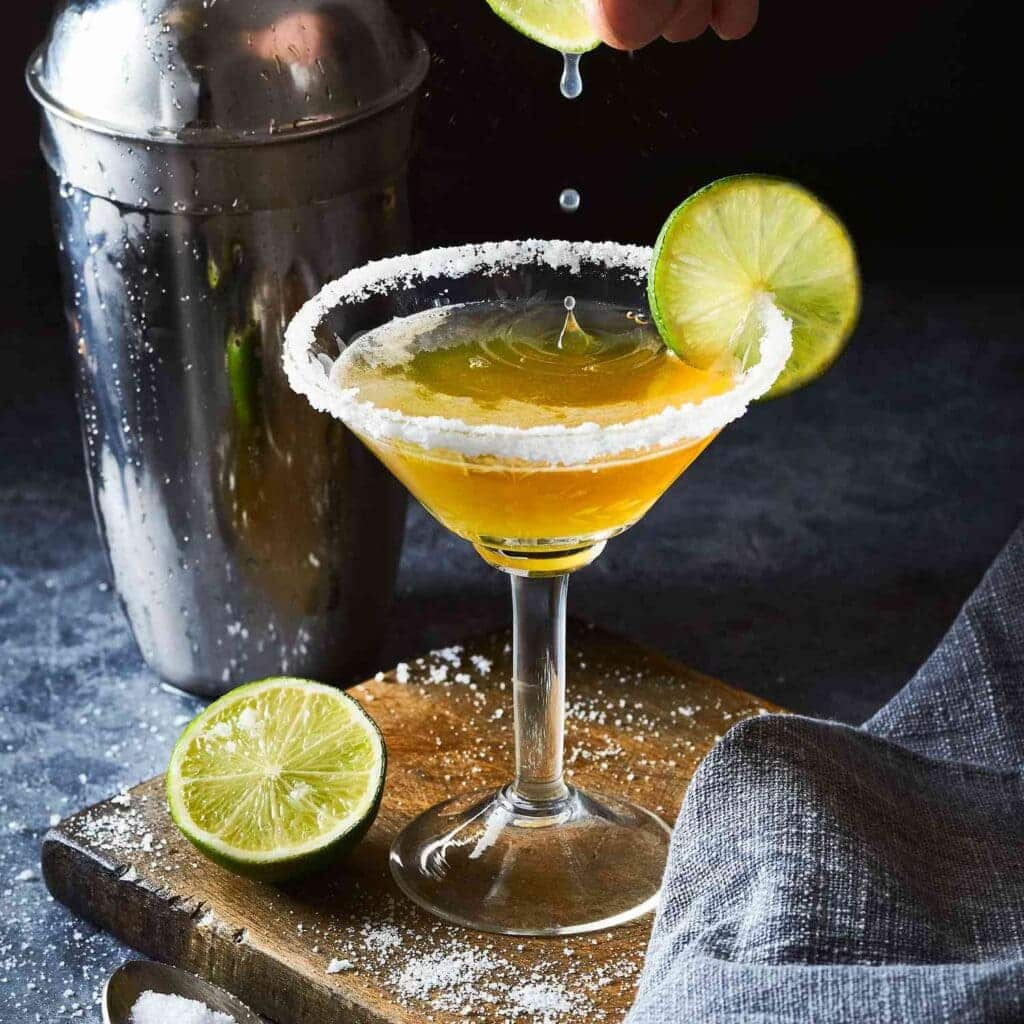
(821, 872)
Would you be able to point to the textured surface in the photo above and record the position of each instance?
(820, 872)
(814, 555)
(638, 727)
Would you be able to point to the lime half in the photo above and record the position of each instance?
(740, 238)
(278, 778)
(561, 24)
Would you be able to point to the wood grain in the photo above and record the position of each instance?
(638, 725)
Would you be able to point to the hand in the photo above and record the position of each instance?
(630, 24)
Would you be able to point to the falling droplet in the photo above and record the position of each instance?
(572, 82)
(569, 200)
(572, 338)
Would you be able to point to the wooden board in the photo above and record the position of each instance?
(638, 725)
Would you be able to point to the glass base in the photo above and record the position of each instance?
(498, 863)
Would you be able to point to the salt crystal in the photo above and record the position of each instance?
(481, 664)
(163, 1008)
(402, 672)
(28, 875)
(382, 937)
(452, 655)
(337, 966)
(544, 1000)
(300, 791)
(248, 721)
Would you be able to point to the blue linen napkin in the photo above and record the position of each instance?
(820, 872)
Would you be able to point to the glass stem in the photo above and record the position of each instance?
(538, 684)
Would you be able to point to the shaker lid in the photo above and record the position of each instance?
(221, 72)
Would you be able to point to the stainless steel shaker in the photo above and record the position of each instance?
(213, 163)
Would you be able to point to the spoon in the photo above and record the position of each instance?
(133, 978)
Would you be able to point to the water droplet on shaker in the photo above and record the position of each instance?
(569, 200)
(571, 83)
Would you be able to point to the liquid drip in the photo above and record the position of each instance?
(571, 83)
(569, 200)
(572, 338)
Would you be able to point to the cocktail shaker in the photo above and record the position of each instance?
(214, 162)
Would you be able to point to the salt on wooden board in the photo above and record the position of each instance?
(346, 946)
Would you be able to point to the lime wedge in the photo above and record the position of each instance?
(740, 238)
(277, 779)
(561, 24)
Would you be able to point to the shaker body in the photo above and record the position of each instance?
(247, 534)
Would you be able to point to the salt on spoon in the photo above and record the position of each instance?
(162, 1008)
(146, 992)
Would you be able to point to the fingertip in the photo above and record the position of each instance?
(625, 25)
(734, 19)
(692, 17)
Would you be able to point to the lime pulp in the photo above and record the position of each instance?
(741, 238)
(277, 778)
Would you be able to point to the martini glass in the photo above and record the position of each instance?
(537, 856)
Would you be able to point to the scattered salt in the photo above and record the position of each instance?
(382, 938)
(543, 1000)
(163, 1008)
(452, 655)
(481, 664)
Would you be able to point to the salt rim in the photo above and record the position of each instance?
(549, 444)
